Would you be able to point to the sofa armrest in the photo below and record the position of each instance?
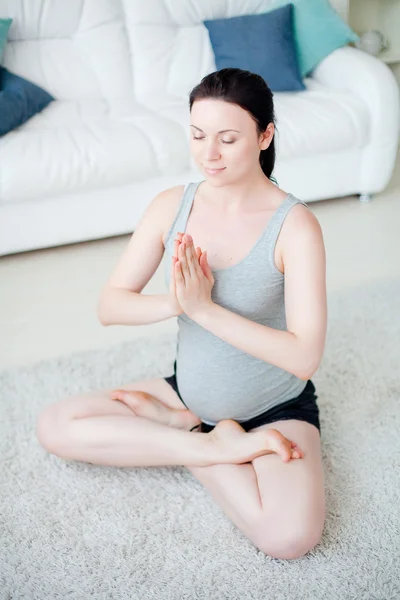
(352, 70)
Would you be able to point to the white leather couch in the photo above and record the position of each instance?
(91, 162)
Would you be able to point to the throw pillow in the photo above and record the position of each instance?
(19, 100)
(318, 31)
(4, 27)
(263, 44)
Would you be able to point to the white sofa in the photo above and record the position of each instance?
(89, 164)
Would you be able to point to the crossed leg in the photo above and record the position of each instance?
(279, 506)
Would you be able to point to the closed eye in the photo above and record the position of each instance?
(201, 138)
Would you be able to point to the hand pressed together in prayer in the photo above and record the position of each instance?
(191, 277)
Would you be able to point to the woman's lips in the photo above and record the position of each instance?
(214, 171)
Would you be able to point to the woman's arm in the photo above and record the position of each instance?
(299, 349)
(121, 301)
(279, 348)
(123, 307)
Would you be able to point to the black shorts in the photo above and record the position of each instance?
(304, 408)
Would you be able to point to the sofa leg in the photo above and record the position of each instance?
(365, 197)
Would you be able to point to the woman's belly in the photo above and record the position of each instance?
(218, 381)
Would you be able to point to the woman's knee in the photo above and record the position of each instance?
(290, 542)
(50, 427)
(52, 422)
(291, 547)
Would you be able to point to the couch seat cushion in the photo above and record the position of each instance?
(86, 145)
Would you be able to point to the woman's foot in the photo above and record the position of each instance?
(238, 446)
(146, 405)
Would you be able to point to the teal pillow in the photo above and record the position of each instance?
(4, 27)
(318, 31)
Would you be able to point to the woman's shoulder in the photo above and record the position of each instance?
(170, 200)
(300, 229)
(300, 221)
(172, 193)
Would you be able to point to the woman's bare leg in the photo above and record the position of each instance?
(146, 405)
(129, 442)
(118, 437)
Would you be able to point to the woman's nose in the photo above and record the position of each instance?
(212, 151)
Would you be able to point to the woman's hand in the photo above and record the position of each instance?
(192, 276)
(177, 309)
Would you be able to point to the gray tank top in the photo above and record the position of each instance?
(215, 379)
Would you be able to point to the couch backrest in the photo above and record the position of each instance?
(71, 48)
(170, 46)
(108, 48)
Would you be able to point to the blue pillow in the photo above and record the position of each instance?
(263, 44)
(318, 31)
(4, 27)
(19, 100)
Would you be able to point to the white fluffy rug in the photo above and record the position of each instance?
(79, 531)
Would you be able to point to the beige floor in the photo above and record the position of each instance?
(48, 297)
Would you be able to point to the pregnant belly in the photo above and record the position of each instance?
(232, 386)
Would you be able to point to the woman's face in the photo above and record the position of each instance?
(224, 142)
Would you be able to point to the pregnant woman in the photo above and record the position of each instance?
(245, 270)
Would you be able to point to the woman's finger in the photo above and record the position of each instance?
(183, 262)
(193, 262)
(179, 237)
(177, 241)
(199, 253)
(178, 272)
(206, 267)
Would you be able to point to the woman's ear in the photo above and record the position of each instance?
(267, 136)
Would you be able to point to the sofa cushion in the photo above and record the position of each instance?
(4, 27)
(19, 100)
(263, 44)
(88, 145)
(318, 31)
